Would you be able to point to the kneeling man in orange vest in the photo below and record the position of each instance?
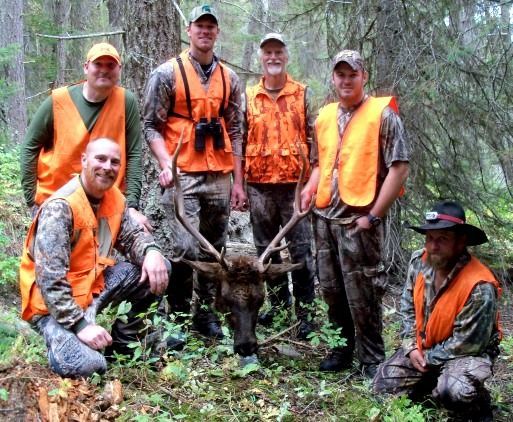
(451, 328)
(68, 271)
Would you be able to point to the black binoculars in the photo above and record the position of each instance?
(212, 128)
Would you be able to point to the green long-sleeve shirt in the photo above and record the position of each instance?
(41, 131)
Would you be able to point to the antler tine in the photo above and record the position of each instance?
(297, 215)
(205, 245)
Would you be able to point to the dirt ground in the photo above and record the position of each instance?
(36, 394)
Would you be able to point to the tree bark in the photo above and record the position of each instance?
(387, 41)
(255, 28)
(13, 111)
(152, 36)
(61, 17)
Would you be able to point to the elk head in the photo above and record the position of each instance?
(240, 279)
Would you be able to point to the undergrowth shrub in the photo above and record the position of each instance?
(13, 216)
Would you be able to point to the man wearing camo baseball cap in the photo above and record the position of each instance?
(358, 172)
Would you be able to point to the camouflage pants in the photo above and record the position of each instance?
(271, 206)
(352, 280)
(456, 384)
(207, 206)
(68, 356)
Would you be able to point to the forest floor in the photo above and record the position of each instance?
(205, 381)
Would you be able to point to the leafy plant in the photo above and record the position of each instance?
(327, 333)
(400, 409)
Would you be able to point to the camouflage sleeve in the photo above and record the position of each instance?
(473, 328)
(159, 98)
(314, 151)
(233, 114)
(132, 240)
(52, 254)
(408, 332)
(392, 138)
(311, 115)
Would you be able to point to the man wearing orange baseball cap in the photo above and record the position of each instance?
(74, 115)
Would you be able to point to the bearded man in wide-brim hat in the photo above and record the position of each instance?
(451, 328)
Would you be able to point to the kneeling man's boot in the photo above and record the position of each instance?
(338, 359)
(208, 325)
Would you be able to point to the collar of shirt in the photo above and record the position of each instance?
(429, 278)
(199, 70)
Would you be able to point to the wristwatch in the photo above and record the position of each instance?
(374, 220)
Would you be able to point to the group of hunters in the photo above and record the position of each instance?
(83, 149)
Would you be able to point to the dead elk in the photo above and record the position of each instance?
(240, 278)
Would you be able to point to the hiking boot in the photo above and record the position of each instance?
(210, 329)
(266, 318)
(305, 328)
(369, 370)
(337, 360)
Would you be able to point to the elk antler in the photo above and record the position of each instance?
(205, 245)
(297, 215)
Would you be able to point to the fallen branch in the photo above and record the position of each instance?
(276, 336)
(77, 37)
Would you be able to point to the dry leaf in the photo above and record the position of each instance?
(43, 403)
(113, 392)
(53, 413)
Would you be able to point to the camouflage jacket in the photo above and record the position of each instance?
(52, 248)
(160, 96)
(475, 331)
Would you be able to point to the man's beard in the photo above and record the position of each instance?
(440, 263)
(274, 69)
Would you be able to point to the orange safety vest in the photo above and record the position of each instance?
(92, 242)
(358, 163)
(440, 324)
(275, 130)
(57, 166)
(204, 103)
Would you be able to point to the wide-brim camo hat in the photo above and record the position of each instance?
(450, 215)
(203, 10)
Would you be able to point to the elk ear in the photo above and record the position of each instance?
(211, 270)
(275, 270)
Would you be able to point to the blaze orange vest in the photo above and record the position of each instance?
(204, 103)
(58, 165)
(359, 153)
(275, 130)
(440, 324)
(92, 242)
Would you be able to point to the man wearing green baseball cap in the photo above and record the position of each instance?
(196, 96)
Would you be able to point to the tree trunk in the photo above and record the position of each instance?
(152, 36)
(84, 15)
(13, 111)
(256, 28)
(61, 17)
(386, 50)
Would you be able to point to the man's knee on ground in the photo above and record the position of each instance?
(453, 392)
(72, 358)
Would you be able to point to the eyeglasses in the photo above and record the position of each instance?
(433, 215)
